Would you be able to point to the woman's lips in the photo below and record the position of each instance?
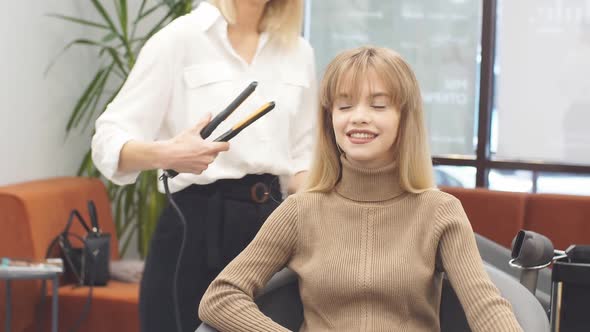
(361, 137)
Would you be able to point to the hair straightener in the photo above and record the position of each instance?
(205, 133)
(219, 118)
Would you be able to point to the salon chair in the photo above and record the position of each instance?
(280, 301)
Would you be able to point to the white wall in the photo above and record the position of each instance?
(35, 108)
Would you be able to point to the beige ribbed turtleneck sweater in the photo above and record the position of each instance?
(368, 257)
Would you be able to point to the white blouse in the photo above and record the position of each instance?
(189, 68)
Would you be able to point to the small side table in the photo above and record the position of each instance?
(8, 276)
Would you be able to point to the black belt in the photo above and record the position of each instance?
(257, 189)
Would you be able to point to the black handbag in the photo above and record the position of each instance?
(88, 264)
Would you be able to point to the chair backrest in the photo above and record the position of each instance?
(565, 219)
(280, 301)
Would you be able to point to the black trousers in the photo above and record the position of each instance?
(222, 218)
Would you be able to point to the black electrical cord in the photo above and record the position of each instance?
(183, 223)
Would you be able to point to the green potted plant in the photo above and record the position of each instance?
(136, 206)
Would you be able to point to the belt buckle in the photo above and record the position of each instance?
(256, 188)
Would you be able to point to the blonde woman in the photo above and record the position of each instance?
(370, 236)
(187, 72)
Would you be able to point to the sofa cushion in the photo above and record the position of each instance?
(497, 215)
(564, 219)
(114, 308)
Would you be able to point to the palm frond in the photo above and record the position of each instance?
(80, 21)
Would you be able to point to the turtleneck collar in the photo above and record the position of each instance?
(368, 184)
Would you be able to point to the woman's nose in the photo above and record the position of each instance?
(360, 114)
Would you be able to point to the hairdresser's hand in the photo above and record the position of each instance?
(189, 153)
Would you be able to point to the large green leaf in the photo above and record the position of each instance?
(96, 98)
(86, 162)
(80, 41)
(148, 12)
(123, 18)
(117, 60)
(101, 10)
(80, 21)
(84, 100)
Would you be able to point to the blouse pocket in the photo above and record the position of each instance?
(295, 78)
(201, 75)
(208, 87)
(291, 87)
(293, 84)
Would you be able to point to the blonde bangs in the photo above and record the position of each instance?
(346, 75)
(350, 73)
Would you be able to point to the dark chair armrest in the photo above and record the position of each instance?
(282, 278)
(279, 300)
(205, 328)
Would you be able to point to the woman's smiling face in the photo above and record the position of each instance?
(366, 127)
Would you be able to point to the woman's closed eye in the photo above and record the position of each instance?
(380, 101)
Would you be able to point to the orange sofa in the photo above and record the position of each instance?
(31, 215)
(499, 215)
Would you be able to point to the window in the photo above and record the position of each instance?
(510, 180)
(563, 183)
(512, 75)
(455, 176)
(542, 87)
(440, 39)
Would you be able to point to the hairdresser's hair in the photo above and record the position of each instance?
(346, 74)
(282, 19)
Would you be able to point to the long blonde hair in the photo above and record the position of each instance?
(411, 145)
(282, 19)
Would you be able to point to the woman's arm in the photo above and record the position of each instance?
(485, 309)
(137, 112)
(124, 143)
(228, 304)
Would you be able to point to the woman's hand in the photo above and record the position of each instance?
(185, 153)
(189, 152)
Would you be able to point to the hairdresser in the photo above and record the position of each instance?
(187, 73)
